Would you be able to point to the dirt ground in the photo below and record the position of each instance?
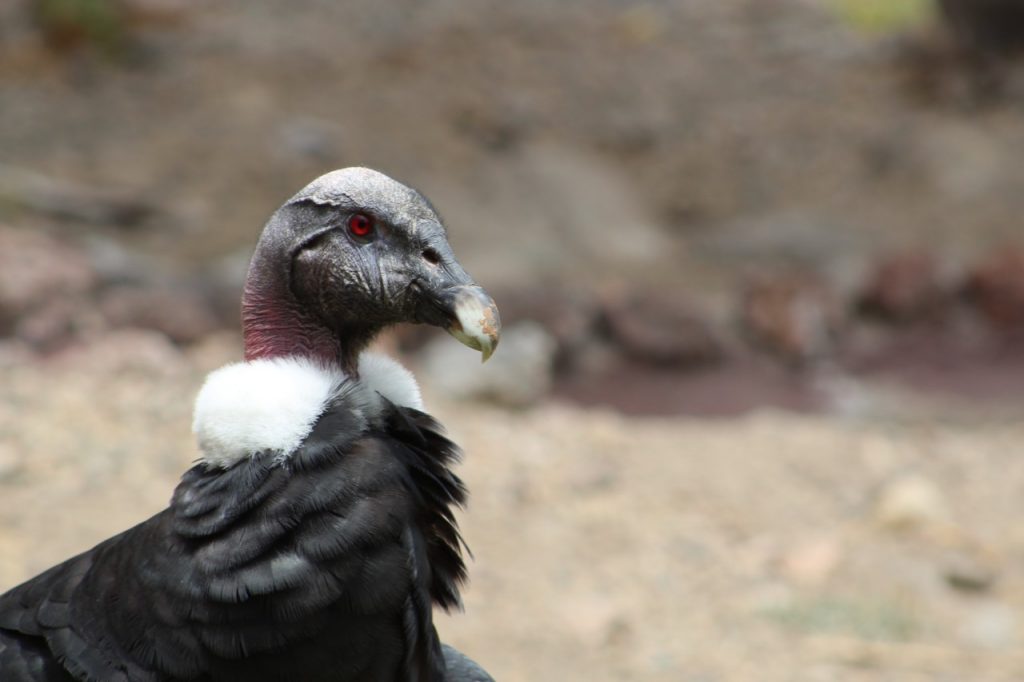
(588, 145)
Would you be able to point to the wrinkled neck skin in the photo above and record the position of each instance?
(275, 325)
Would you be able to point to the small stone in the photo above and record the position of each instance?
(996, 288)
(969, 572)
(910, 502)
(793, 314)
(904, 288)
(990, 626)
(812, 562)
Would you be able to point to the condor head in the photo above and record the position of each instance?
(349, 255)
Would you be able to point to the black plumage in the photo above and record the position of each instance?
(322, 567)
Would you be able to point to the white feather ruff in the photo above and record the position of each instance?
(272, 404)
(381, 374)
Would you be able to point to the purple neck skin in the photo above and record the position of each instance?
(272, 328)
(275, 324)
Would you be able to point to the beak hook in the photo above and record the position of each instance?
(476, 322)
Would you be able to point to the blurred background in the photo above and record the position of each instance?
(757, 410)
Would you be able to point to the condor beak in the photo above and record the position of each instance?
(474, 318)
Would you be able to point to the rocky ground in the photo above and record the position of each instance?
(757, 411)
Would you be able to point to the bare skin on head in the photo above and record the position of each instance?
(349, 255)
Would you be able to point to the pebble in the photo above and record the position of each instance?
(794, 315)
(990, 626)
(909, 502)
(969, 572)
(904, 287)
(812, 562)
(996, 288)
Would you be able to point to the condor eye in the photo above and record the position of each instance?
(361, 225)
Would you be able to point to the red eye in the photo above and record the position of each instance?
(360, 224)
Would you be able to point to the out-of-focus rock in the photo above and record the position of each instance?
(969, 572)
(910, 502)
(794, 314)
(182, 315)
(35, 268)
(905, 288)
(812, 562)
(996, 287)
(990, 626)
(518, 375)
(660, 328)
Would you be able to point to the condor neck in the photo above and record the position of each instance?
(275, 325)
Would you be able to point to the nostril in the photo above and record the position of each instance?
(431, 256)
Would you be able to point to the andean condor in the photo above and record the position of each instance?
(316, 532)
